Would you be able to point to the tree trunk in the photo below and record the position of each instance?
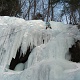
(34, 7)
(66, 19)
(79, 14)
(43, 9)
(51, 11)
(48, 13)
(29, 9)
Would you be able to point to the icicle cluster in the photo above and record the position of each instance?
(17, 32)
(36, 38)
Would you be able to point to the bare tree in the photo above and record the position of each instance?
(10, 7)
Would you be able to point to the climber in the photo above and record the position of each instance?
(48, 25)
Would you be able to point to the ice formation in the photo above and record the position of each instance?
(49, 59)
(19, 67)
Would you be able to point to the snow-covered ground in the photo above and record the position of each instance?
(49, 60)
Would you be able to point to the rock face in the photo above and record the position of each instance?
(20, 58)
(75, 51)
(47, 61)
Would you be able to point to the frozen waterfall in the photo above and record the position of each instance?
(41, 54)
